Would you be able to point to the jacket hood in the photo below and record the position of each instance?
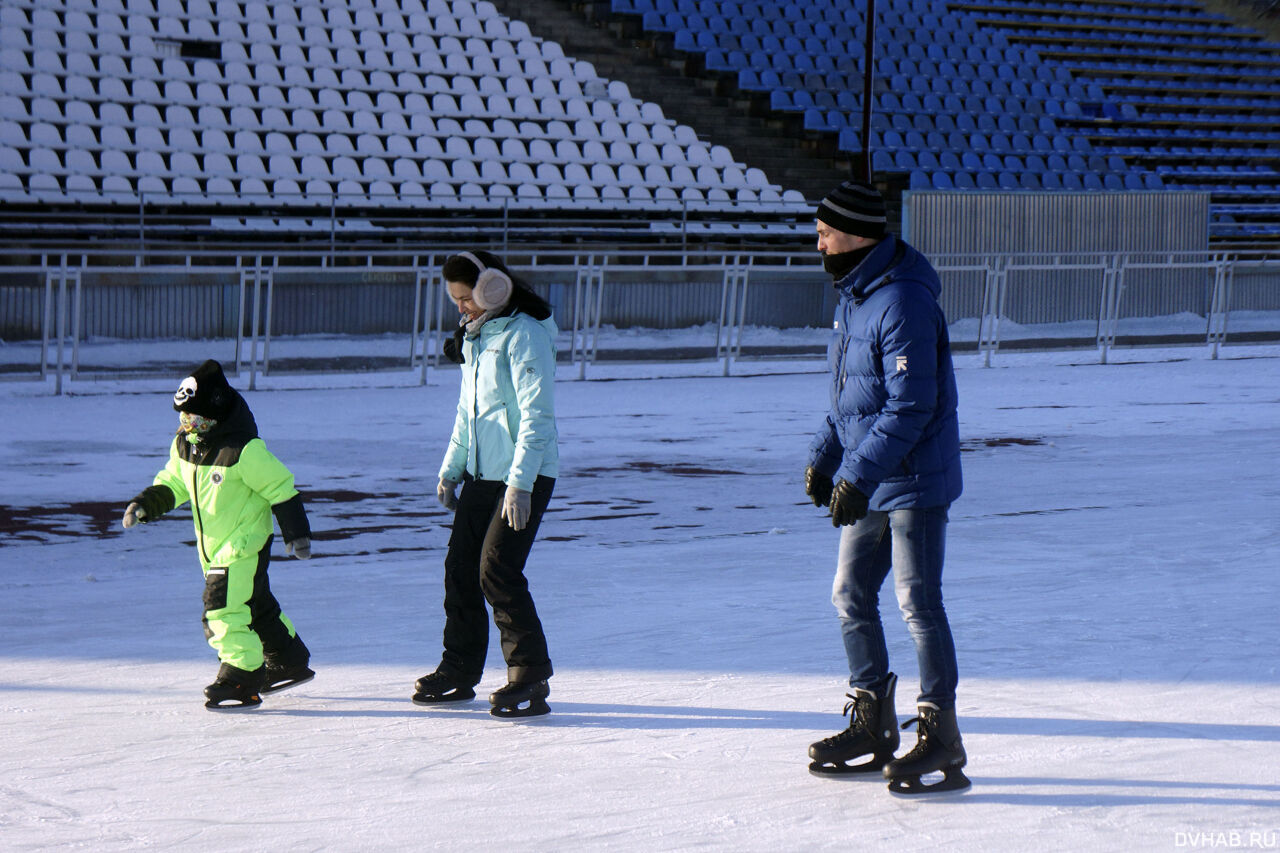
(891, 260)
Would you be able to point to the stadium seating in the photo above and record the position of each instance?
(364, 102)
(446, 104)
(1131, 86)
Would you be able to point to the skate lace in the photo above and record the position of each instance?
(923, 734)
(858, 715)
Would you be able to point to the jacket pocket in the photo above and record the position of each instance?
(215, 588)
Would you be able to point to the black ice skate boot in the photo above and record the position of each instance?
(520, 699)
(288, 668)
(437, 687)
(234, 689)
(282, 677)
(938, 748)
(873, 730)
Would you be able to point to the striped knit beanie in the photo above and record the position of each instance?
(854, 208)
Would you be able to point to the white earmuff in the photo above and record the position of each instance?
(493, 287)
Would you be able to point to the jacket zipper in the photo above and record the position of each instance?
(841, 378)
(475, 403)
(195, 504)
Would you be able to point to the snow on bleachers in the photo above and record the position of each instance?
(407, 102)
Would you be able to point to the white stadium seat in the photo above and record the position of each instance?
(382, 100)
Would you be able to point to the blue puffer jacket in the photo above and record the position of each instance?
(892, 429)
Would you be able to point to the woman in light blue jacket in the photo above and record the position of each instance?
(503, 453)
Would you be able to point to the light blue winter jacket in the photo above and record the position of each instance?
(506, 423)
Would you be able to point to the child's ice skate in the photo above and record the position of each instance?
(234, 689)
(283, 677)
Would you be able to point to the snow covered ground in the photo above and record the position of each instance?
(392, 352)
(1111, 580)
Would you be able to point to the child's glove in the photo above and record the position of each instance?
(153, 502)
(133, 514)
(515, 507)
(300, 548)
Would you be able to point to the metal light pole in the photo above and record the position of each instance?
(868, 76)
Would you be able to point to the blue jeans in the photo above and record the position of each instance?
(912, 543)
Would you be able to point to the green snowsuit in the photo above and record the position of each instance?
(234, 485)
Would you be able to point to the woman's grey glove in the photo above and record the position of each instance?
(445, 494)
(516, 507)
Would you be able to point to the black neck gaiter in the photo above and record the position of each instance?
(841, 264)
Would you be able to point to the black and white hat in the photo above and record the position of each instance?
(206, 392)
(854, 208)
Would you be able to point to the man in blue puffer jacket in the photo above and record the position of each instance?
(887, 463)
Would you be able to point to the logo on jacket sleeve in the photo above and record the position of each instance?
(900, 364)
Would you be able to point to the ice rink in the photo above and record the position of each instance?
(1112, 583)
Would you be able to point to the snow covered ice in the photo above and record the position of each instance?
(1111, 582)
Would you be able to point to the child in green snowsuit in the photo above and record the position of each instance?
(235, 485)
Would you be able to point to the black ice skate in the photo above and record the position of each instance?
(283, 677)
(873, 730)
(520, 699)
(234, 689)
(287, 666)
(437, 688)
(938, 749)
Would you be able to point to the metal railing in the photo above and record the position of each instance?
(732, 292)
(146, 220)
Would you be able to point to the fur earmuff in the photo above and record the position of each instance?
(493, 287)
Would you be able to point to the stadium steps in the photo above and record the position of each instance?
(653, 71)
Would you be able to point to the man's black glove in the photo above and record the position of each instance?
(848, 504)
(817, 486)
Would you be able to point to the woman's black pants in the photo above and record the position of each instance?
(486, 563)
